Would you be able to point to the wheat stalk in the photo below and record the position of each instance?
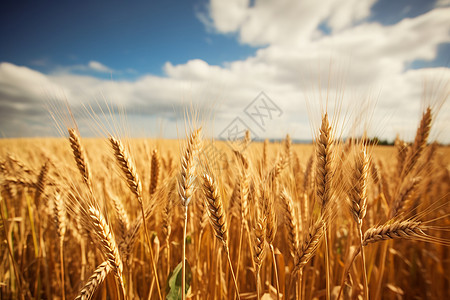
(186, 190)
(134, 183)
(61, 223)
(270, 224)
(167, 221)
(259, 252)
(217, 217)
(129, 240)
(358, 197)
(188, 167)
(243, 204)
(325, 181)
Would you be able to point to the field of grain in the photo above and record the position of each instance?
(113, 219)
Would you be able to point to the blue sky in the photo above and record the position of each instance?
(139, 37)
(153, 57)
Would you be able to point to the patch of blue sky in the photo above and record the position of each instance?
(131, 38)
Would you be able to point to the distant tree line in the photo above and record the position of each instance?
(371, 141)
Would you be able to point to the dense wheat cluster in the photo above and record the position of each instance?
(113, 219)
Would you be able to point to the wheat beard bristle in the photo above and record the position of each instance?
(307, 175)
(233, 206)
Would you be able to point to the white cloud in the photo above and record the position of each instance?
(98, 67)
(227, 16)
(284, 21)
(368, 60)
(442, 3)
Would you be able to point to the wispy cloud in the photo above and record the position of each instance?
(98, 67)
(91, 67)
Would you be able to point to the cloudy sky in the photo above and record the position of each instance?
(262, 65)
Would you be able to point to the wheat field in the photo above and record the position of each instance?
(113, 218)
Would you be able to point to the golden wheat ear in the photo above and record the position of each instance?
(188, 167)
(106, 240)
(420, 142)
(61, 223)
(80, 157)
(60, 215)
(96, 279)
(128, 168)
(215, 209)
(134, 184)
(358, 189)
(186, 181)
(41, 182)
(259, 251)
(217, 217)
(290, 221)
(122, 218)
(324, 163)
(406, 229)
(155, 172)
(310, 244)
(359, 197)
